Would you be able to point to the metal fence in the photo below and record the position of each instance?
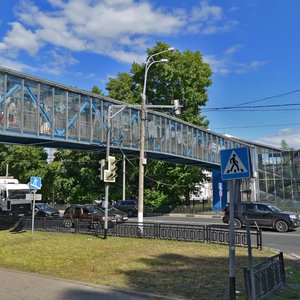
(269, 275)
(218, 234)
(192, 209)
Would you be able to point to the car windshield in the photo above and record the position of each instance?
(93, 209)
(113, 209)
(17, 194)
(274, 208)
(42, 205)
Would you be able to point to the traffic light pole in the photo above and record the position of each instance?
(106, 183)
(175, 107)
(108, 134)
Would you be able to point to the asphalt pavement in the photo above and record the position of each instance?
(29, 286)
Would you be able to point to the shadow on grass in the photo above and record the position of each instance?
(7, 222)
(190, 278)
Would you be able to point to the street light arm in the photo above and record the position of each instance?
(148, 65)
(161, 52)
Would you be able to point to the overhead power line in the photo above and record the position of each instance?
(253, 101)
(250, 108)
(256, 126)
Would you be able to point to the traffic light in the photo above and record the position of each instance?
(176, 107)
(110, 173)
(101, 169)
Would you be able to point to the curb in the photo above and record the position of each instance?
(195, 216)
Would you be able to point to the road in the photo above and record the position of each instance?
(288, 242)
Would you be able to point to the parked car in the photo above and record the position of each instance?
(116, 214)
(263, 215)
(129, 206)
(89, 213)
(43, 210)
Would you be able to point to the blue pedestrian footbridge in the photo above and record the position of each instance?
(39, 112)
(34, 111)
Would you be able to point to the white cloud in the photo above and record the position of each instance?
(107, 27)
(58, 61)
(233, 49)
(290, 135)
(20, 38)
(104, 27)
(209, 19)
(14, 64)
(220, 66)
(226, 63)
(206, 12)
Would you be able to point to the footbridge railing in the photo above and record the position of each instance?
(36, 111)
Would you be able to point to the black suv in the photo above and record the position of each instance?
(87, 213)
(263, 215)
(130, 206)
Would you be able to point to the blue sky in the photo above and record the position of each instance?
(253, 47)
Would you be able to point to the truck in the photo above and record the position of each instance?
(13, 198)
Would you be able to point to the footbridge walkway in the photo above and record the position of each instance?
(34, 111)
(38, 112)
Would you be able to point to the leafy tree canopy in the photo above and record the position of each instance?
(185, 77)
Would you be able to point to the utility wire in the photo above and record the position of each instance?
(257, 100)
(256, 126)
(239, 108)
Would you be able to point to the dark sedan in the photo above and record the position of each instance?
(116, 214)
(43, 210)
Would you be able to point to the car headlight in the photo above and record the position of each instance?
(294, 217)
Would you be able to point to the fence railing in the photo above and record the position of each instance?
(218, 234)
(192, 209)
(269, 275)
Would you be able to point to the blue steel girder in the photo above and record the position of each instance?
(71, 121)
(167, 138)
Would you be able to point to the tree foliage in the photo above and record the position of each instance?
(285, 146)
(73, 176)
(22, 161)
(185, 77)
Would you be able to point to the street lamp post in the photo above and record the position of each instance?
(142, 161)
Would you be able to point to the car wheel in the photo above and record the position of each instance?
(68, 223)
(130, 213)
(237, 223)
(281, 226)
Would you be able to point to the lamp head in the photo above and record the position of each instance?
(164, 60)
(171, 49)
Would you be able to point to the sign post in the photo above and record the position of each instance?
(220, 194)
(235, 164)
(35, 184)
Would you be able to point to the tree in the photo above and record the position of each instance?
(24, 162)
(284, 146)
(185, 77)
(96, 90)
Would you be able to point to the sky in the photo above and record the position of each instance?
(252, 46)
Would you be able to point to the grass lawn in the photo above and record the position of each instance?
(181, 269)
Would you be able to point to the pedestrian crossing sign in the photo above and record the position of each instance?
(35, 183)
(235, 163)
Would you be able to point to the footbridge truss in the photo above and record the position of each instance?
(38, 112)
